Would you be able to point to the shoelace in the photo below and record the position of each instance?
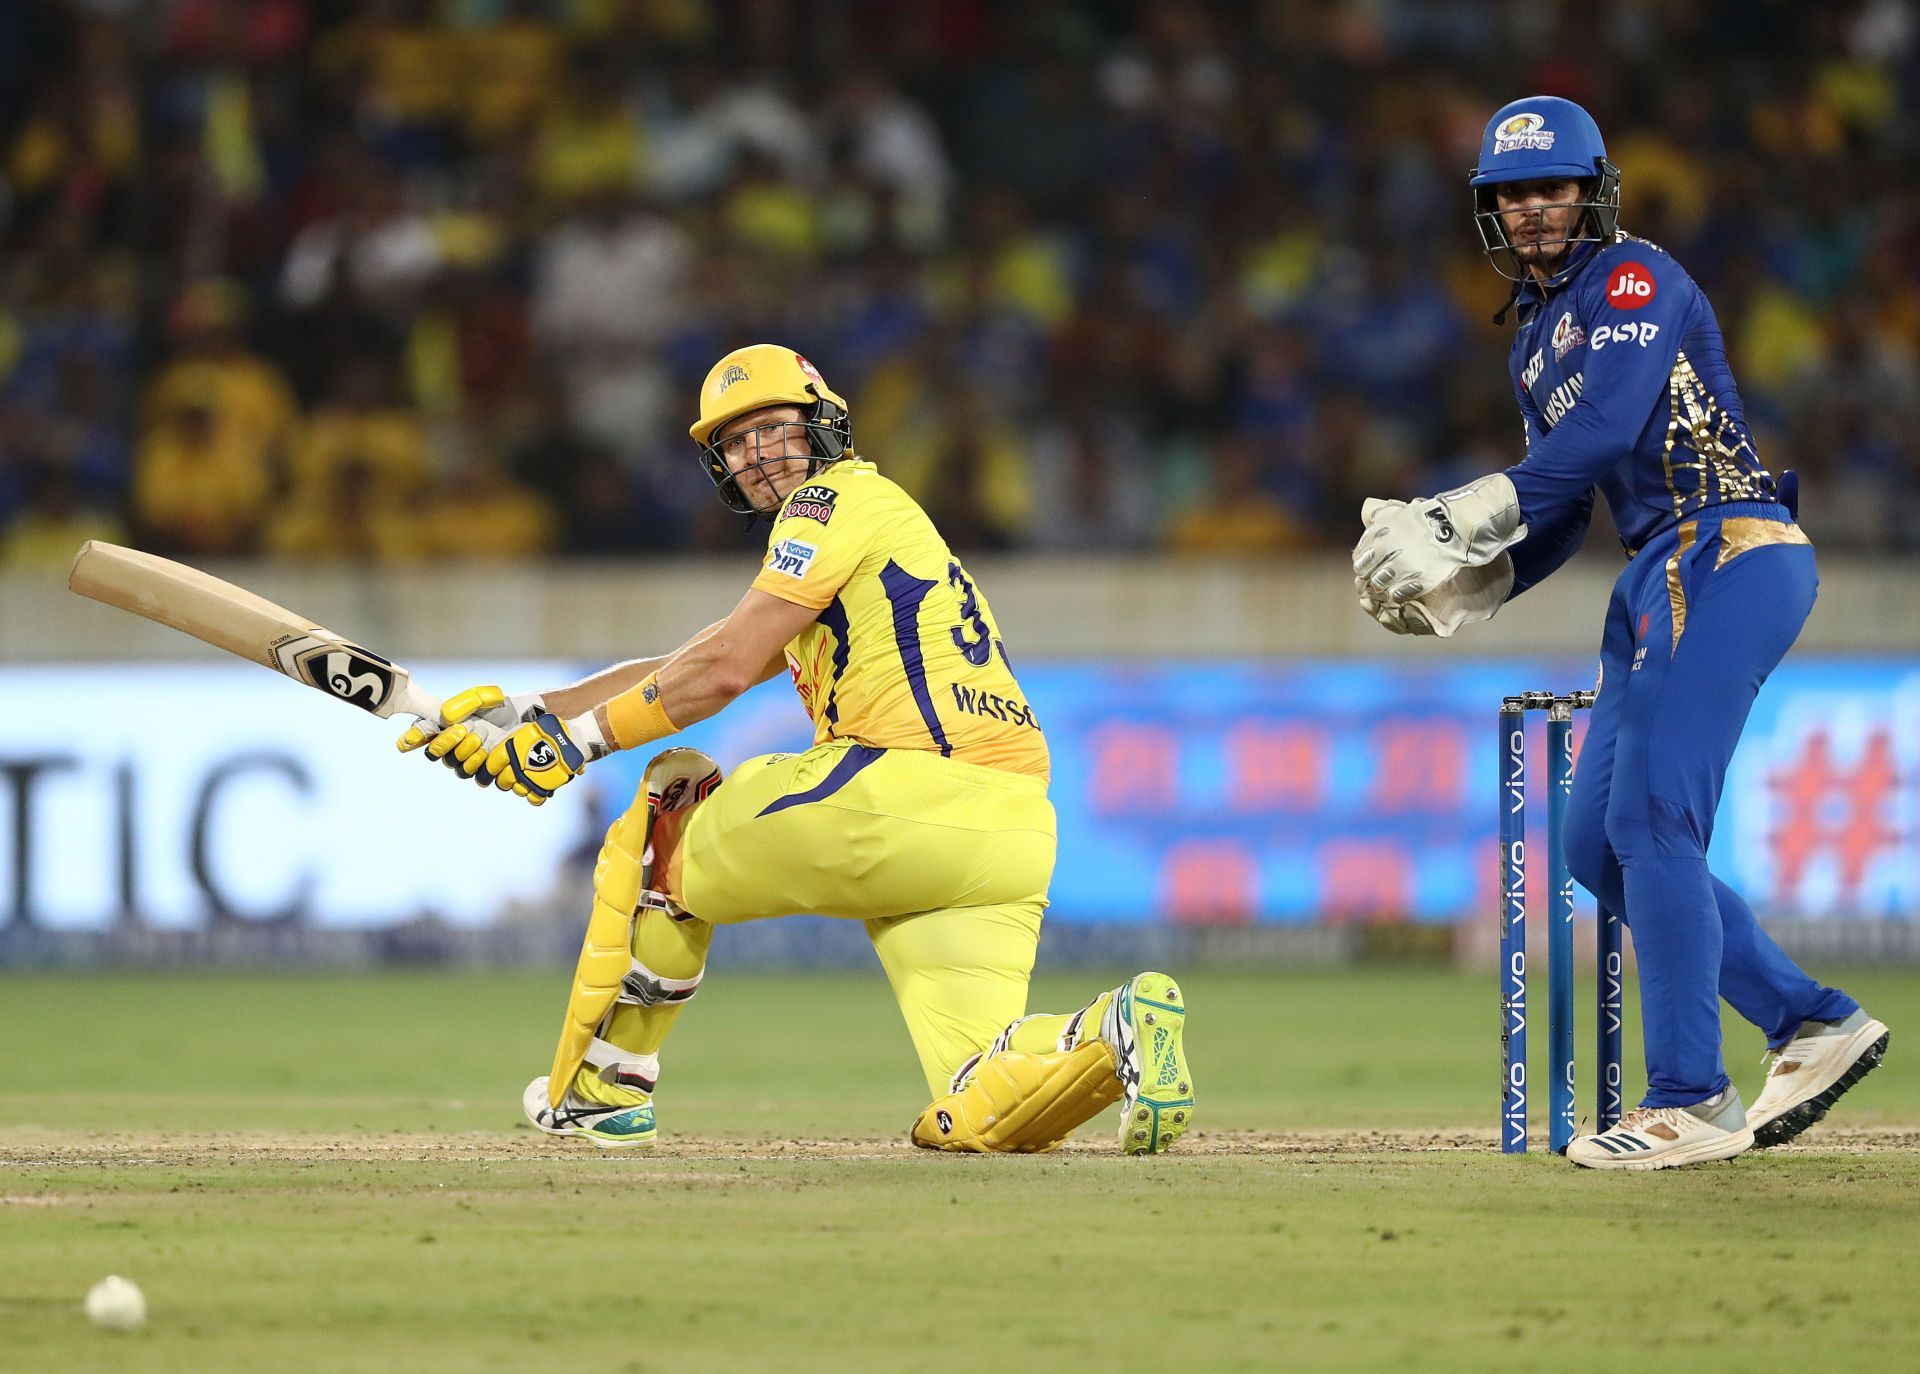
(1771, 1060)
(1648, 1116)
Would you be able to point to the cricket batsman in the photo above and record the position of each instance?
(1624, 387)
(921, 809)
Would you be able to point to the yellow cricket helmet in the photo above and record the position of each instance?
(761, 375)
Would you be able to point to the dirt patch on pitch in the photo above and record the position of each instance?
(29, 1149)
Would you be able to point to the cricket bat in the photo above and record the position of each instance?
(230, 618)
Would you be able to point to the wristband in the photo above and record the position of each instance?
(638, 716)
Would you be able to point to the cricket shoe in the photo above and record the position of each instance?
(611, 1128)
(1668, 1137)
(1145, 1023)
(1811, 1071)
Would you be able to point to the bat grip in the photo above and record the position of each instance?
(413, 701)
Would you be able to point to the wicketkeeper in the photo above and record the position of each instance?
(1623, 384)
(921, 809)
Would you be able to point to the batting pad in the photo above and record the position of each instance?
(606, 954)
(1021, 1103)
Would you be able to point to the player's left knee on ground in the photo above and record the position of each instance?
(1017, 1103)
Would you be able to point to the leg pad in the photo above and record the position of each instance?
(632, 864)
(606, 955)
(1019, 1103)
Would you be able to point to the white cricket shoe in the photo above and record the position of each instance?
(1668, 1137)
(1811, 1071)
(611, 1128)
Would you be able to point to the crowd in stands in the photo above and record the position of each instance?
(405, 279)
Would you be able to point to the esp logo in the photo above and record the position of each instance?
(1630, 286)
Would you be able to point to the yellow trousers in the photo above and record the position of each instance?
(946, 862)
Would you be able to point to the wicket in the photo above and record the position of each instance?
(1513, 936)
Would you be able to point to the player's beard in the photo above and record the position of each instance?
(1544, 261)
(763, 487)
(1544, 255)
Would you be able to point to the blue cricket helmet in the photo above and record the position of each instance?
(1544, 138)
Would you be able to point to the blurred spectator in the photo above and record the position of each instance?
(479, 511)
(589, 142)
(52, 524)
(359, 424)
(212, 366)
(349, 514)
(201, 484)
(376, 246)
(895, 145)
(1094, 486)
(509, 63)
(708, 115)
(608, 286)
(1236, 515)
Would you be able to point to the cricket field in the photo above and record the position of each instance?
(330, 1173)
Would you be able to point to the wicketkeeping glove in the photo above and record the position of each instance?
(1470, 595)
(1410, 548)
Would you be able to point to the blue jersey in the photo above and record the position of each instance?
(1624, 386)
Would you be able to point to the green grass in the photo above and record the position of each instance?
(263, 1154)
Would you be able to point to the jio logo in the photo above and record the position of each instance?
(1630, 287)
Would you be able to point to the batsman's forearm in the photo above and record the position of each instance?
(701, 679)
(602, 687)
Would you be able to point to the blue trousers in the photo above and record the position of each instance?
(1691, 634)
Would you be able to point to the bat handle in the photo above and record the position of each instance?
(413, 701)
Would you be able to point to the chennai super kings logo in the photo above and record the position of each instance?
(356, 676)
(1525, 130)
(736, 373)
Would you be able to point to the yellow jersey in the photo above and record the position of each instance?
(905, 654)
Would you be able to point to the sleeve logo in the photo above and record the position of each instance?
(791, 558)
(811, 503)
(1630, 287)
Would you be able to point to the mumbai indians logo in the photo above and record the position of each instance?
(355, 675)
(1567, 336)
(1522, 131)
(736, 373)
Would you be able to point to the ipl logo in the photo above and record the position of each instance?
(1522, 131)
